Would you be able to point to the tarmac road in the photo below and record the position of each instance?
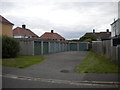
(22, 83)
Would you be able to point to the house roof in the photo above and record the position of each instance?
(49, 35)
(4, 20)
(22, 31)
(101, 35)
(116, 21)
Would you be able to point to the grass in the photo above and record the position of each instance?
(0, 61)
(95, 63)
(22, 61)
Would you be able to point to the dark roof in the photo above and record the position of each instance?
(22, 31)
(101, 35)
(49, 35)
(3, 20)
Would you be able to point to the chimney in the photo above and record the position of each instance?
(52, 31)
(93, 31)
(107, 30)
(24, 26)
(114, 19)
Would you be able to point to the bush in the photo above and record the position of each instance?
(10, 47)
(87, 40)
(88, 36)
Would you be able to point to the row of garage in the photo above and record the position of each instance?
(40, 47)
(79, 46)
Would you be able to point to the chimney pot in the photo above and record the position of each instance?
(93, 30)
(107, 30)
(24, 26)
(52, 31)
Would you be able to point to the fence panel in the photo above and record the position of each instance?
(118, 53)
(105, 48)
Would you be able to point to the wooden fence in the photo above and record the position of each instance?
(106, 48)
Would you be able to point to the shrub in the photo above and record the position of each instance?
(10, 47)
(88, 36)
(87, 40)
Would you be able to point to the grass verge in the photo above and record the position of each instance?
(22, 61)
(95, 63)
(0, 62)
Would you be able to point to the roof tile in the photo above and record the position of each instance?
(48, 35)
(3, 20)
(22, 31)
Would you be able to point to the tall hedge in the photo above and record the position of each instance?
(88, 36)
(10, 47)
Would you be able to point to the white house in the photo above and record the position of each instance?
(115, 32)
(115, 28)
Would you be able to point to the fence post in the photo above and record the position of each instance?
(49, 47)
(42, 47)
(119, 54)
(33, 47)
(77, 46)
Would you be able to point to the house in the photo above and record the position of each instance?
(23, 32)
(52, 36)
(115, 28)
(115, 32)
(100, 35)
(6, 27)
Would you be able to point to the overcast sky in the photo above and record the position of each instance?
(69, 18)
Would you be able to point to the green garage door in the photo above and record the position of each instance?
(51, 47)
(45, 48)
(83, 46)
(37, 48)
(73, 46)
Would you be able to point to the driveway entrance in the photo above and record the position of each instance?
(57, 66)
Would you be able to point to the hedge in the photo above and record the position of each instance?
(10, 47)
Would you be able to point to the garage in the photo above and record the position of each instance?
(83, 46)
(37, 48)
(45, 48)
(73, 46)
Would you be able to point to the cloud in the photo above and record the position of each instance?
(65, 17)
(119, 9)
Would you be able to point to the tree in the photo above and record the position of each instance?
(88, 37)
